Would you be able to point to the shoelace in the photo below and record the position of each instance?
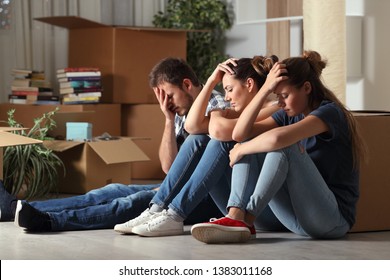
(215, 219)
(154, 221)
(129, 223)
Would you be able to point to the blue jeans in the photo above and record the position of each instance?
(182, 169)
(210, 173)
(116, 203)
(98, 209)
(289, 182)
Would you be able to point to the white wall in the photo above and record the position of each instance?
(370, 91)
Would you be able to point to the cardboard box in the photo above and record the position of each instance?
(145, 120)
(91, 165)
(125, 55)
(11, 139)
(373, 209)
(103, 117)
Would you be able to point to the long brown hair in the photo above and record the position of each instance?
(309, 68)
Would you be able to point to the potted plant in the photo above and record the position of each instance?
(209, 19)
(31, 171)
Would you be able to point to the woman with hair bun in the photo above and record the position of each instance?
(302, 162)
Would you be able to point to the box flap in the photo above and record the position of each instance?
(370, 113)
(8, 128)
(61, 146)
(118, 151)
(11, 139)
(148, 28)
(71, 22)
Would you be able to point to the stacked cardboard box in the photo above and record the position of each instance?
(125, 56)
(373, 209)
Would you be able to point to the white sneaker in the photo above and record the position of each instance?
(127, 227)
(161, 225)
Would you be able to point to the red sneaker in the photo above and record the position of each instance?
(223, 230)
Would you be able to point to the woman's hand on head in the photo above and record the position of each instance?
(274, 77)
(222, 69)
(165, 104)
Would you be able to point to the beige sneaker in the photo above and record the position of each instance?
(161, 225)
(127, 228)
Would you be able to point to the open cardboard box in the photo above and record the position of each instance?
(91, 165)
(104, 117)
(373, 209)
(11, 139)
(125, 55)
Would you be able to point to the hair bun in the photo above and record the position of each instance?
(263, 64)
(315, 60)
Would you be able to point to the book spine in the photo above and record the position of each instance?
(79, 74)
(77, 69)
(81, 84)
(79, 90)
(13, 88)
(82, 94)
(24, 92)
(82, 78)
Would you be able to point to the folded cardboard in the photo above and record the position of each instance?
(373, 209)
(125, 55)
(11, 139)
(135, 118)
(91, 165)
(105, 118)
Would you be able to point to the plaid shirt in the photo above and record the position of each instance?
(217, 101)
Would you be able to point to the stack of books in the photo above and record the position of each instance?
(30, 87)
(80, 85)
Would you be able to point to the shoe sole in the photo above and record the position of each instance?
(130, 230)
(124, 231)
(213, 234)
(18, 209)
(157, 233)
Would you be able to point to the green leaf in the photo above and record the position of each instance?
(33, 166)
(204, 49)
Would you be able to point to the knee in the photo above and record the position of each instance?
(198, 140)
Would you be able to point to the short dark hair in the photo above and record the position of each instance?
(173, 71)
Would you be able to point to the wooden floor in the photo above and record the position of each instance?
(16, 244)
(105, 254)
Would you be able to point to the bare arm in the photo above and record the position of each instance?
(168, 147)
(279, 137)
(196, 121)
(222, 122)
(245, 127)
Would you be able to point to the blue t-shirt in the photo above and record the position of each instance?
(331, 152)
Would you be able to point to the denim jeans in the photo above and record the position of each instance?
(212, 175)
(289, 182)
(117, 203)
(181, 170)
(98, 209)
